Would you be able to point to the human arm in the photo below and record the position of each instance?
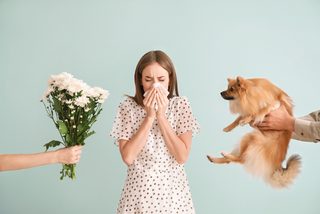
(278, 119)
(69, 155)
(179, 146)
(130, 149)
(306, 128)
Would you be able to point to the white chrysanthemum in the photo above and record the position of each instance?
(93, 92)
(87, 109)
(51, 81)
(64, 83)
(81, 101)
(47, 93)
(104, 95)
(100, 101)
(69, 101)
(75, 86)
(71, 107)
(65, 75)
(97, 91)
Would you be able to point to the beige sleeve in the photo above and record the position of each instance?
(307, 128)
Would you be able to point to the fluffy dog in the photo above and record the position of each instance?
(260, 152)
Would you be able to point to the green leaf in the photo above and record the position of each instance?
(79, 138)
(52, 143)
(56, 104)
(89, 134)
(68, 138)
(65, 167)
(64, 129)
(80, 127)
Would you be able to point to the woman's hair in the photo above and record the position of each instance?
(162, 59)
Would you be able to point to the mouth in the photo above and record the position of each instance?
(225, 96)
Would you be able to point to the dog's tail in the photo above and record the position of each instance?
(284, 178)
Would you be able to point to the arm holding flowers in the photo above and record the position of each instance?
(179, 146)
(69, 155)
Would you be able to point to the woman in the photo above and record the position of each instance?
(155, 143)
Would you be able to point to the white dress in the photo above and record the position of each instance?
(155, 182)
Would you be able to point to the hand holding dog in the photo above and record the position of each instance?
(277, 119)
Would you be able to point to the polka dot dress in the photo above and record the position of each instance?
(155, 182)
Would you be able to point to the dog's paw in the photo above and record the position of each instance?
(210, 158)
(243, 122)
(227, 129)
(224, 154)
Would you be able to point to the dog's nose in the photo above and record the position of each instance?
(222, 93)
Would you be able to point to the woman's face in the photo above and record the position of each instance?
(154, 73)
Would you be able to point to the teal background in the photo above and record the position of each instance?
(101, 42)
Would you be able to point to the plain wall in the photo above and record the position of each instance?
(101, 42)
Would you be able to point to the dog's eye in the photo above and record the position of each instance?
(231, 89)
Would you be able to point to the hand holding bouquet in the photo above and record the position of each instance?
(73, 106)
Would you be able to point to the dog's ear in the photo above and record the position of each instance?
(240, 82)
(229, 79)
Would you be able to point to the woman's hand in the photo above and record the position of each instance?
(162, 101)
(149, 102)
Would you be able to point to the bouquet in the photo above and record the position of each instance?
(73, 107)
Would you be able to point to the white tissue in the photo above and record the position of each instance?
(156, 85)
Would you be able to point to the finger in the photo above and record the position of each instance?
(77, 159)
(78, 152)
(158, 100)
(161, 98)
(263, 126)
(151, 101)
(77, 147)
(162, 93)
(149, 95)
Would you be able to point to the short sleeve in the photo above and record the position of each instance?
(185, 119)
(122, 126)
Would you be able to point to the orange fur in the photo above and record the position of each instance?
(260, 152)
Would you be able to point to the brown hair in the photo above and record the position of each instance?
(162, 59)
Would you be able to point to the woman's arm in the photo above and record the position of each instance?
(179, 146)
(130, 149)
(23, 161)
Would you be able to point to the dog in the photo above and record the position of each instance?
(260, 152)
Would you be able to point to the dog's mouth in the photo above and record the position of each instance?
(225, 96)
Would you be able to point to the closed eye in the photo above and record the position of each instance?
(231, 89)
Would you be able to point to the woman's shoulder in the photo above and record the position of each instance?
(176, 102)
(128, 103)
